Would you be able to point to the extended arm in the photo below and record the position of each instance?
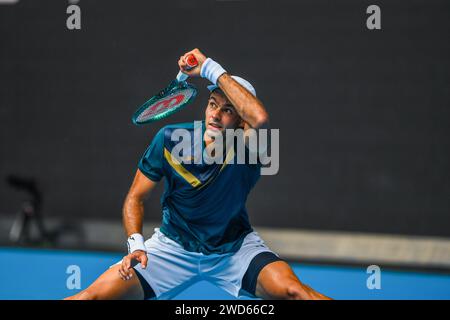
(133, 216)
(133, 208)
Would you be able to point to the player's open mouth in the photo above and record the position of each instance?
(214, 126)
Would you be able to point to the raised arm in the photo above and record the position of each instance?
(249, 108)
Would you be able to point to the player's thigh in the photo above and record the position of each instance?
(274, 280)
(110, 286)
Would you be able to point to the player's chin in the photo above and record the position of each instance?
(213, 132)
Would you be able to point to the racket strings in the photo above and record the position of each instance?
(167, 102)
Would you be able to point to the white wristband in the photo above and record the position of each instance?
(136, 242)
(211, 70)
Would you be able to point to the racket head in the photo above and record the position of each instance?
(170, 100)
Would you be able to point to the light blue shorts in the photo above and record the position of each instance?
(171, 269)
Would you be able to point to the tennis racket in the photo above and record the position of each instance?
(177, 95)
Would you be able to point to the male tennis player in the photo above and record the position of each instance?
(205, 232)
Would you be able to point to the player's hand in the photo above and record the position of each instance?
(130, 261)
(194, 72)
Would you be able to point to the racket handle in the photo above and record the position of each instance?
(192, 62)
(182, 76)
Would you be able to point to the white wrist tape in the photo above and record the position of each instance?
(136, 242)
(211, 70)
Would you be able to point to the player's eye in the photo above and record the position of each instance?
(229, 111)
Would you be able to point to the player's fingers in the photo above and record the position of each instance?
(134, 256)
(126, 265)
(126, 262)
(194, 52)
(144, 260)
(122, 273)
(182, 63)
(125, 275)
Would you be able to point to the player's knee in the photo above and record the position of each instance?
(293, 290)
(286, 290)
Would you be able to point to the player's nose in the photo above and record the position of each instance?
(216, 114)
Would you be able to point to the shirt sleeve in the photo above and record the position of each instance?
(151, 163)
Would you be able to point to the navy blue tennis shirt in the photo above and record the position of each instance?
(203, 204)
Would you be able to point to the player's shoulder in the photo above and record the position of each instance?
(165, 134)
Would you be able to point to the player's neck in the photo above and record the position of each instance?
(208, 139)
(209, 144)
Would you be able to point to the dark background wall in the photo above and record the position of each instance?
(364, 116)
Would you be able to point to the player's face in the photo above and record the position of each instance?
(220, 113)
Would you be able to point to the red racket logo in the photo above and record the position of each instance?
(177, 96)
(164, 104)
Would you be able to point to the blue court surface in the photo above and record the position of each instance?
(42, 274)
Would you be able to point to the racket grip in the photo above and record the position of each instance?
(192, 62)
(182, 76)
